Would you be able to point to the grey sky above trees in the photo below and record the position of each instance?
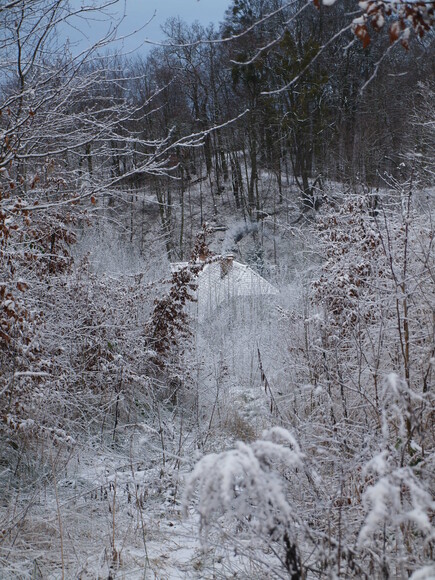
(149, 14)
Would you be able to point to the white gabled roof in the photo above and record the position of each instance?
(224, 280)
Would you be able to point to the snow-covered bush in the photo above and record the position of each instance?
(241, 491)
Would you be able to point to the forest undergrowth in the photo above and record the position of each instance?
(311, 415)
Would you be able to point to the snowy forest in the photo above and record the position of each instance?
(217, 294)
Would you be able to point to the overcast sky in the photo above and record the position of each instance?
(139, 12)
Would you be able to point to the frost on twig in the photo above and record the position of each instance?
(245, 483)
(395, 500)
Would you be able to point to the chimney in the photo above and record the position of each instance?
(226, 264)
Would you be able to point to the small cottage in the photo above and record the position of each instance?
(225, 280)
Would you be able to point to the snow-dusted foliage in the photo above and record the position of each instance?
(289, 414)
(396, 504)
(357, 394)
(245, 483)
(243, 488)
